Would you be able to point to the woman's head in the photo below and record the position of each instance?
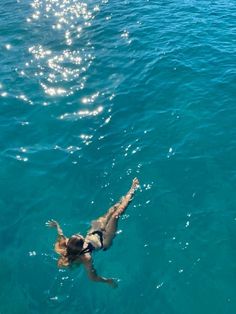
(74, 246)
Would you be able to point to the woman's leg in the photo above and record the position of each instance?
(101, 222)
(112, 222)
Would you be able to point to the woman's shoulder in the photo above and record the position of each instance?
(85, 258)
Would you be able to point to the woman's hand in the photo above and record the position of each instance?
(112, 282)
(135, 183)
(52, 223)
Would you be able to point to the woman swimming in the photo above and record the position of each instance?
(78, 249)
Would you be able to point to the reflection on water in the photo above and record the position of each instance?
(61, 66)
(94, 93)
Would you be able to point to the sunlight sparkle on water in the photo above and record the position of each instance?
(68, 18)
(91, 99)
(39, 51)
(53, 91)
(81, 113)
(8, 46)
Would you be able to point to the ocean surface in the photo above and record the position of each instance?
(93, 94)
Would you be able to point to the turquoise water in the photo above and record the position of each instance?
(93, 94)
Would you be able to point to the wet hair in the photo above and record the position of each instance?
(74, 247)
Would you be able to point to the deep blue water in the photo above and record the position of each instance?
(93, 94)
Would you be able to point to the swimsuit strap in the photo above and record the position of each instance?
(100, 234)
(88, 249)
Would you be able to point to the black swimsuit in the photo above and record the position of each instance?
(90, 247)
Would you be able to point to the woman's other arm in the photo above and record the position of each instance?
(92, 274)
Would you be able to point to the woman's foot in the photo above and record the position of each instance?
(135, 183)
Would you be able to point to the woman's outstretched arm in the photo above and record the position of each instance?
(92, 274)
(60, 244)
(54, 224)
